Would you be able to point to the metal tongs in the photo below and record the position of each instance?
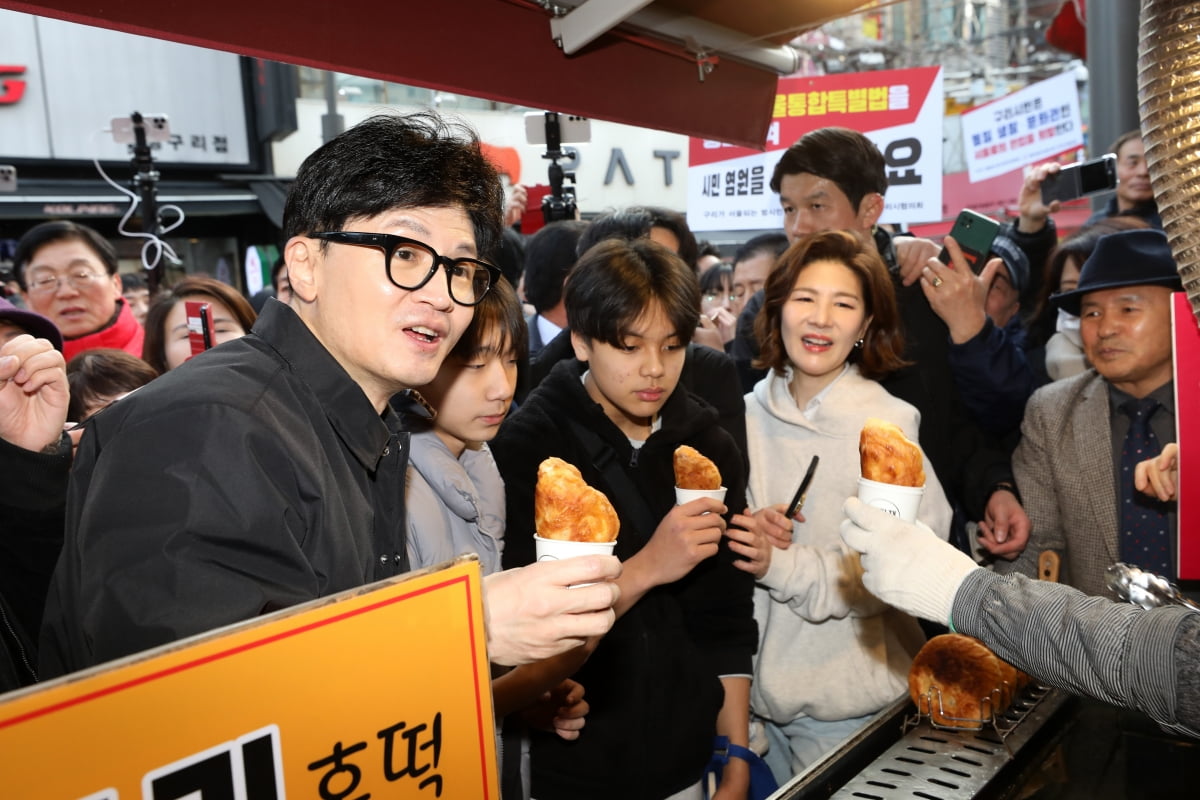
(1143, 588)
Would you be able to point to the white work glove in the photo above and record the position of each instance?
(904, 563)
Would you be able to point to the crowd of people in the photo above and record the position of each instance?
(388, 408)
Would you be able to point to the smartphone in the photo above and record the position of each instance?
(974, 233)
(199, 326)
(571, 129)
(157, 128)
(1081, 179)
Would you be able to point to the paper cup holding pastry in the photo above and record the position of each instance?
(893, 470)
(572, 518)
(696, 476)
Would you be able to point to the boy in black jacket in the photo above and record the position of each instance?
(675, 668)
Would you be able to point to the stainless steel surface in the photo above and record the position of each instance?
(1143, 588)
(942, 765)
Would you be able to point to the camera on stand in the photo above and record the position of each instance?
(553, 130)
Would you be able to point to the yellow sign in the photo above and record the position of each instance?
(381, 692)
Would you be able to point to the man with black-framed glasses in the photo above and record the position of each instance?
(270, 470)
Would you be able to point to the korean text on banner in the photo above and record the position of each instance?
(1023, 128)
(380, 691)
(899, 110)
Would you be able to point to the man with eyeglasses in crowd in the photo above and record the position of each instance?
(269, 471)
(68, 273)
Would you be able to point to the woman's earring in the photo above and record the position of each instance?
(859, 344)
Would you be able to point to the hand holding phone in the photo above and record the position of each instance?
(198, 325)
(974, 233)
(1080, 179)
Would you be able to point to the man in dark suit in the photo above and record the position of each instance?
(1081, 435)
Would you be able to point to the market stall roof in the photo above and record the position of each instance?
(705, 68)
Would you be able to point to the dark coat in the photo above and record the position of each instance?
(254, 477)
(653, 682)
(33, 492)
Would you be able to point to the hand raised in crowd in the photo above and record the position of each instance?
(1159, 476)
(537, 611)
(749, 542)
(561, 710)
(956, 294)
(725, 322)
(1033, 212)
(33, 393)
(911, 255)
(515, 206)
(1004, 529)
(707, 334)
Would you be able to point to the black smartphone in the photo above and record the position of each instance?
(1081, 179)
(974, 233)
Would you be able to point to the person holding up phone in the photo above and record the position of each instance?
(987, 337)
(230, 316)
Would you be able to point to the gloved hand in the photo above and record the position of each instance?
(905, 564)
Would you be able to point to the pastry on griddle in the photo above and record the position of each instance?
(887, 456)
(958, 682)
(565, 507)
(694, 470)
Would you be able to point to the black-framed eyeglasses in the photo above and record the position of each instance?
(410, 264)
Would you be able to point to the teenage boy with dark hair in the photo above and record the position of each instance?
(675, 669)
(270, 471)
(834, 179)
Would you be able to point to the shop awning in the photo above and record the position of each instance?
(698, 67)
(82, 200)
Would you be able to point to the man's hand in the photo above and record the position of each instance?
(911, 255)
(747, 541)
(1033, 212)
(904, 563)
(533, 612)
(33, 393)
(562, 710)
(956, 294)
(1004, 529)
(687, 535)
(1159, 476)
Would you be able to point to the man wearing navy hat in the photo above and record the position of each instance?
(1083, 436)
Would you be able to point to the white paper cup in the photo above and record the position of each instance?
(555, 549)
(899, 501)
(688, 495)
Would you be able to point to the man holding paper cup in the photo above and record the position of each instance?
(674, 671)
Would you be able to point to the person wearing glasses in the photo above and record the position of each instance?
(68, 272)
(271, 471)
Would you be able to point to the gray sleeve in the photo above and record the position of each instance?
(1115, 652)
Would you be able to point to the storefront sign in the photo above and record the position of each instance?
(65, 83)
(378, 692)
(899, 110)
(1023, 128)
